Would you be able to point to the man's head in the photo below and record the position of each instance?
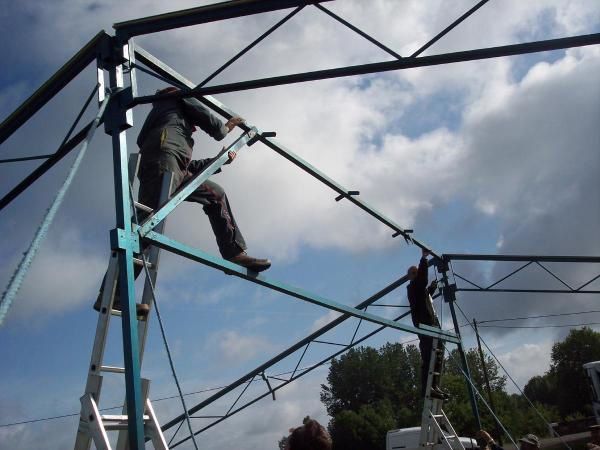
(529, 442)
(310, 436)
(412, 272)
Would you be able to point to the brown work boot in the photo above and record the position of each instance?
(141, 309)
(253, 264)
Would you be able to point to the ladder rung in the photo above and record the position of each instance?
(143, 207)
(113, 369)
(437, 416)
(452, 436)
(118, 417)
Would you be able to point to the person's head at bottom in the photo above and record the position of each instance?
(529, 442)
(310, 436)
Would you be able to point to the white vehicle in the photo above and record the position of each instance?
(408, 438)
(593, 373)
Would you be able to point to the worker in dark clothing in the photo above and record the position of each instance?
(166, 145)
(422, 312)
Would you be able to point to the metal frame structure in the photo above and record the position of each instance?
(120, 58)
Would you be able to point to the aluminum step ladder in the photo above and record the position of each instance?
(94, 426)
(436, 429)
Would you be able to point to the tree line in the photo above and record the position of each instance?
(371, 391)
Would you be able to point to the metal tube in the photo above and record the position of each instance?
(450, 298)
(197, 255)
(449, 28)
(541, 258)
(487, 380)
(529, 291)
(123, 242)
(359, 31)
(50, 88)
(294, 348)
(17, 279)
(286, 382)
(204, 14)
(404, 63)
(166, 71)
(25, 158)
(45, 166)
(252, 45)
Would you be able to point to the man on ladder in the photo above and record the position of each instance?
(422, 312)
(166, 145)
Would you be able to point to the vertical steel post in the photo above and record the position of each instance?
(124, 242)
(487, 380)
(449, 294)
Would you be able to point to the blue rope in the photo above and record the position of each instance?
(17, 279)
(162, 328)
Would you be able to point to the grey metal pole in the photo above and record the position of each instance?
(449, 293)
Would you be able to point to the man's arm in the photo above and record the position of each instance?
(198, 165)
(423, 271)
(207, 121)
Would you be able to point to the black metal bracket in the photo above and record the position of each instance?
(264, 377)
(346, 195)
(258, 136)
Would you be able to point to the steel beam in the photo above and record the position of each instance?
(530, 291)
(524, 258)
(50, 88)
(230, 268)
(46, 165)
(285, 382)
(204, 14)
(294, 348)
(404, 63)
(169, 73)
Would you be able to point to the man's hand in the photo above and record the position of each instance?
(232, 156)
(484, 436)
(425, 253)
(234, 122)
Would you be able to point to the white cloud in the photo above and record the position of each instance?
(231, 346)
(526, 361)
(330, 316)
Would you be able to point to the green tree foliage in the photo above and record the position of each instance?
(371, 391)
(568, 357)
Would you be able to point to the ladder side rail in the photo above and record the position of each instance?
(452, 431)
(93, 384)
(429, 433)
(95, 428)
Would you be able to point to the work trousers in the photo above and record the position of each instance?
(209, 194)
(426, 347)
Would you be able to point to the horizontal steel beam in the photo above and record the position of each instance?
(200, 256)
(529, 291)
(169, 73)
(45, 166)
(204, 14)
(50, 88)
(404, 63)
(294, 348)
(524, 258)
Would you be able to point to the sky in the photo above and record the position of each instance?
(494, 156)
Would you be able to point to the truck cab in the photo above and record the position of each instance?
(408, 439)
(593, 372)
